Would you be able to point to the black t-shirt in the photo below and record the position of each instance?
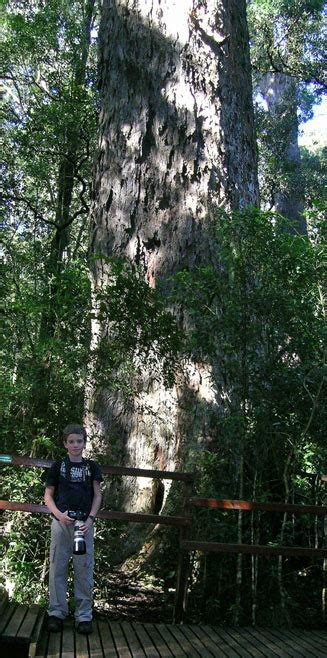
(73, 482)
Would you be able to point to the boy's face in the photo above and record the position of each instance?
(74, 445)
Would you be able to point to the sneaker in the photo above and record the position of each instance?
(84, 627)
(54, 624)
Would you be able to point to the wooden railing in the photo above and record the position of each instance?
(188, 545)
(19, 460)
(136, 517)
(184, 521)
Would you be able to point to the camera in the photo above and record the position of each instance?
(77, 515)
(79, 546)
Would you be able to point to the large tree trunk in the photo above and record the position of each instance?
(176, 142)
(280, 93)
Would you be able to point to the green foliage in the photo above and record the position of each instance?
(49, 132)
(60, 359)
(259, 311)
(259, 315)
(25, 540)
(287, 46)
(288, 37)
(50, 104)
(141, 331)
(314, 176)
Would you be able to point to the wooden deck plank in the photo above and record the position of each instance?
(149, 649)
(233, 643)
(27, 627)
(246, 644)
(120, 640)
(306, 638)
(259, 643)
(290, 647)
(184, 642)
(275, 643)
(108, 644)
(196, 642)
(68, 640)
(264, 642)
(309, 639)
(137, 640)
(95, 643)
(319, 636)
(315, 643)
(36, 633)
(81, 646)
(174, 647)
(231, 647)
(4, 599)
(42, 646)
(158, 641)
(298, 641)
(288, 644)
(322, 635)
(132, 639)
(16, 621)
(209, 641)
(240, 645)
(6, 616)
(54, 646)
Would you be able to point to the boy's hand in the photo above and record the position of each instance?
(87, 525)
(64, 518)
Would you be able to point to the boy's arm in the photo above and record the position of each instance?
(96, 503)
(97, 498)
(51, 505)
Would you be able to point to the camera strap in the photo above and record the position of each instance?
(84, 466)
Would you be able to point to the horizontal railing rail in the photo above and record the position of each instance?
(252, 549)
(249, 506)
(188, 545)
(19, 460)
(136, 517)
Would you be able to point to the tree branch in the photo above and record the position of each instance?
(36, 213)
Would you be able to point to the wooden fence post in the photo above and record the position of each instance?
(183, 567)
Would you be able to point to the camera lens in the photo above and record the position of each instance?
(79, 547)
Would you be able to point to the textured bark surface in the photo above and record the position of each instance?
(176, 140)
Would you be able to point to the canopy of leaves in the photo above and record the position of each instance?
(288, 36)
(48, 99)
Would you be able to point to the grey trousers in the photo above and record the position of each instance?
(61, 550)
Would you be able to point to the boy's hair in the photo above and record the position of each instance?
(74, 429)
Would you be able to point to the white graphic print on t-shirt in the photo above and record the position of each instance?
(77, 473)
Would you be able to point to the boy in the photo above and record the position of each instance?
(73, 484)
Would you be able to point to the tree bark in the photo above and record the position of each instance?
(176, 142)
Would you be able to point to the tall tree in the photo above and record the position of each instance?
(48, 135)
(287, 56)
(176, 142)
(279, 92)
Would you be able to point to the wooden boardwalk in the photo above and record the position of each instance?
(136, 640)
